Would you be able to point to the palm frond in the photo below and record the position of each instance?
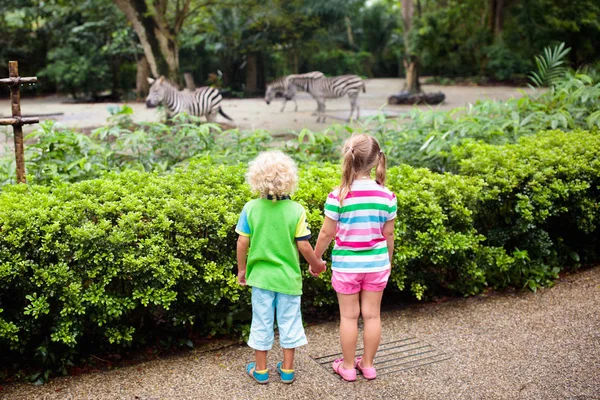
(550, 66)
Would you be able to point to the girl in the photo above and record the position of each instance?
(360, 215)
(277, 229)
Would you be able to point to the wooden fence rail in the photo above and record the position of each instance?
(17, 122)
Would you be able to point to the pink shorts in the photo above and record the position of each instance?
(349, 283)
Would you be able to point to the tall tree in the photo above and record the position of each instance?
(411, 60)
(157, 24)
(496, 14)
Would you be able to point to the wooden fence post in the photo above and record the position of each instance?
(16, 121)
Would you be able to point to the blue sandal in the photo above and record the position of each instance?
(287, 376)
(261, 378)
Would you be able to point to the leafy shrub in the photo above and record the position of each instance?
(116, 260)
(121, 260)
(341, 62)
(503, 63)
(425, 138)
(540, 202)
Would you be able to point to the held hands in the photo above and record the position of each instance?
(316, 270)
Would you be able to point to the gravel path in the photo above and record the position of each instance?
(543, 345)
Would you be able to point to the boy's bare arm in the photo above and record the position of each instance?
(388, 234)
(326, 235)
(243, 243)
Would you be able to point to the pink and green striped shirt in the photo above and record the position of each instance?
(359, 242)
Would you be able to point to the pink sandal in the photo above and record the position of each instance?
(369, 373)
(349, 375)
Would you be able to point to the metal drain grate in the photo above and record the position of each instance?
(395, 356)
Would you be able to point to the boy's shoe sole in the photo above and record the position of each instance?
(251, 372)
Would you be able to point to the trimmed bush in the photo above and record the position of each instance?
(136, 256)
(541, 203)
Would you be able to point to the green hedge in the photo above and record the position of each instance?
(134, 256)
(541, 203)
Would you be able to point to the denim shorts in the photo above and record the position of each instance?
(265, 305)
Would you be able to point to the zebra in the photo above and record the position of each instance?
(204, 101)
(282, 86)
(330, 88)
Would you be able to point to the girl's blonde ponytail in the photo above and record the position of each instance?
(381, 167)
(347, 173)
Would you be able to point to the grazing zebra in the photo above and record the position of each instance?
(331, 88)
(204, 101)
(282, 86)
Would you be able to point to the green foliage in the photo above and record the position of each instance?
(503, 63)
(550, 66)
(340, 62)
(121, 260)
(540, 202)
(427, 136)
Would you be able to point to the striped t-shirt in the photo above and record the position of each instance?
(359, 242)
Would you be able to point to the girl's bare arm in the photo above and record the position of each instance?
(326, 235)
(388, 234)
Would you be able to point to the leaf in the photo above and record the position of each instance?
(427, 142)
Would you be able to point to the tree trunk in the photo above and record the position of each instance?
(412, 84)
(349, 31)
(158, 40)
(143, 73)
(411, 61)
(496, 10)
(251, 74)
(116, 77)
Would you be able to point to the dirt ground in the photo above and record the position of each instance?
(499, 346)
(256, 114)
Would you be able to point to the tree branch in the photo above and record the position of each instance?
(181, 16)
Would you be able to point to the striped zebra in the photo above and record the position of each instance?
(204, 101)
(331, 88)
(282, 86)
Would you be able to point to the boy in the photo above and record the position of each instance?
(277, 228)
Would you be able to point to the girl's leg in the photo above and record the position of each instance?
(349, 313)
(370, 310)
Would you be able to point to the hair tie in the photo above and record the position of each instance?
(380, 152)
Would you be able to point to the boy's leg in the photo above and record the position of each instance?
(370, 310)
(349, 313)
(288, 359)
(260, 357)
(291, 330)
(261, 330)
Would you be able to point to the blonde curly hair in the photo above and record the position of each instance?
(272, 173)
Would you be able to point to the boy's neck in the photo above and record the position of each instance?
(282, 197)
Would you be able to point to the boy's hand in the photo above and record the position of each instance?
(242, 277)
(318, 269)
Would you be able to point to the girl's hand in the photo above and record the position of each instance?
(242, 277)
(321, 268)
